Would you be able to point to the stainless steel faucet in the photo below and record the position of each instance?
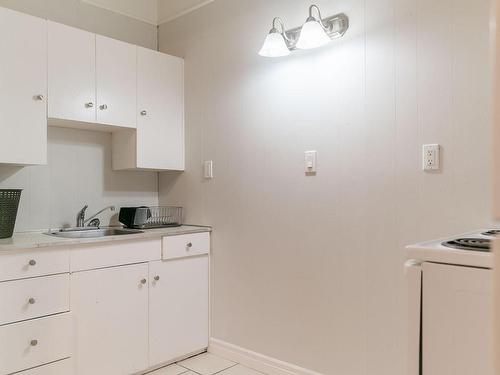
(80, 217)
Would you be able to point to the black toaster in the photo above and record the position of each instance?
(134, 217)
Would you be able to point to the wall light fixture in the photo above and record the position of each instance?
(316, 32)
(275, 44)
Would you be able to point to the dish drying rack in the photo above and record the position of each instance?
(162, 216)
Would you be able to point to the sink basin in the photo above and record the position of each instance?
(92, 233)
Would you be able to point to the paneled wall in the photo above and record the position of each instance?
(79, 166)
(78, 173)
(309, 269)
(82, 15)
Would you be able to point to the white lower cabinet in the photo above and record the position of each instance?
(178, 308)
(457, 320)
(114, 308)
(110, 307)
(35, 342)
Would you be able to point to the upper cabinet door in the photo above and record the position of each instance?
(160, 124)
(71, 73)
(23, 89)
(116, 65)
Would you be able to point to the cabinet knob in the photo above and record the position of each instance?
(31, 301)
(34, 342)
(189, 245)
(32, 262)
(157, 278)
(103, 107)
(38, 97)
(144, 113)
(143, 281)
(89, 105)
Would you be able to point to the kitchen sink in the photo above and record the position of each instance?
(92, 232)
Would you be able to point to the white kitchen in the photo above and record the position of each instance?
(249, 187)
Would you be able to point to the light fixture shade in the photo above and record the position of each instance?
(312, 35)
(274, 46)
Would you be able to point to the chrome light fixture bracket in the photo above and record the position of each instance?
(278, 21)
(315, 32)
(335, 27)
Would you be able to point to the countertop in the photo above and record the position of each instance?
(434, 251)
(37, 239)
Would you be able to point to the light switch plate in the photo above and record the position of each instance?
(310, 162)
(431, 157)
(208, 169)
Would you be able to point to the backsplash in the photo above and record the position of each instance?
(78, 172)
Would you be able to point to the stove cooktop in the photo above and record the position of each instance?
(492, 233)
(471, 244)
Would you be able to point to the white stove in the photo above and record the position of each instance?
(450, 304)
(469, 249)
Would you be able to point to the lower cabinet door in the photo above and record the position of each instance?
(178, 312)
(110, 307)
(457, 320)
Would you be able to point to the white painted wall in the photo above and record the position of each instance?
(170, 9)
(80, 14)
(310, 269)
(79, 162)
(78, 173)
(144, 10)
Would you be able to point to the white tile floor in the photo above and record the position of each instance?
(205, 364)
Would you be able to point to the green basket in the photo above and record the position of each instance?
(9, 202)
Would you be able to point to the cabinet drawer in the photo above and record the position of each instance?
(185, 245)
(32, 263)
(57, 368)
(89, 257)
(32, 298)
(34, 343)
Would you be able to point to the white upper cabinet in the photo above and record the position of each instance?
(116, 77)
(59, 75)
(23, 89)
(160, 98)
(159, 140)
(71, 74)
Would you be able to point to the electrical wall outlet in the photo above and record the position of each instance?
(431, 157)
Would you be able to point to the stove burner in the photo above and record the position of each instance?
(472, 244)
(492, 233)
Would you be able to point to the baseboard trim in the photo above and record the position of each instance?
(256, 361)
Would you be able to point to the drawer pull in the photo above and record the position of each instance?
(32, 262)
(189, 245)
(143, 281)
(157, 278)
(31, 301)
(34, 342)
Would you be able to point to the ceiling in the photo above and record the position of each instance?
(152, 11)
